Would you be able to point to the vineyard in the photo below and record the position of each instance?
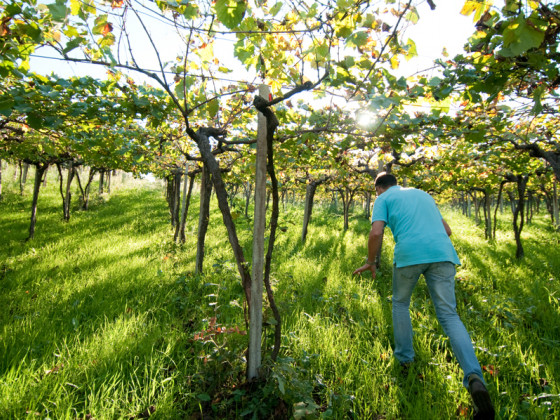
(179, 231)
(105, 317)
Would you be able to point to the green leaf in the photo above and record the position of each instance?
(141, 102)
(180, 89)
(203, 397)
(244, 53)
(230, 12)
(191, 11)
(475, 136)
(417, 91)
(343, 4)
(435, 81)
(13, 9)
(213, 107)
(281, 384)
(520, 37)
(34, 121)
(402, 82)
(344, 28)
(348, 62)
(357, 39)
(34, 32)
(276, 8)
(6, 106)
(537, 95)
(58, 10)
(322, 51)
(72, 44)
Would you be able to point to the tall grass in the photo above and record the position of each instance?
(103, 318)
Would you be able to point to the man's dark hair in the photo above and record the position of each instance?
(385, 180)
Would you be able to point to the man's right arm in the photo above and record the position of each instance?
(446, 226)
(374, 244)
(375, 238)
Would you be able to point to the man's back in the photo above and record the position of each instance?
(416, 223)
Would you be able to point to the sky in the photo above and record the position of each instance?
(436, 29)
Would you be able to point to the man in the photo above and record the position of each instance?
(422, 246)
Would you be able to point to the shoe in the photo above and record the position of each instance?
(405, 367)
(483, 408)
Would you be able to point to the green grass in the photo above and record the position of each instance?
(103, 318)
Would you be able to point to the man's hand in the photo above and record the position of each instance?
(365, 267)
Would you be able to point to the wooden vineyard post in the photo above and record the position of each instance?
(380, 167)
(255, 313)
(555, 204)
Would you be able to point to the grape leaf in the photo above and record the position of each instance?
(230, 12)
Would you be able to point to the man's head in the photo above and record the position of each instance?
(384, 181)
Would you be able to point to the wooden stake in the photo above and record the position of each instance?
(555, 203)
(255, 313)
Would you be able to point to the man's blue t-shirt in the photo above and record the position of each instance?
(416, 223)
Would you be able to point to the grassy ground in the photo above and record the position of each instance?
(103, 318)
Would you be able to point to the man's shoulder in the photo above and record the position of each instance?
(392, 190)
(398, 190)
(406, 195)
(414, 191)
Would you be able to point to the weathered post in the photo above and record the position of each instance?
(255, 312)
(555, 204)
(204, 216)
(309, 196)
(180, 230)
(101, 180)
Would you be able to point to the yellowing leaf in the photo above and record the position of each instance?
(206, 52)
(75, 7)
(476, 7)
(86, 7)
(107, 28)
(71, 32)
(412, 16)
(469, 7)
(410, 49)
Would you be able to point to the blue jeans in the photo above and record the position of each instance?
(440, 278)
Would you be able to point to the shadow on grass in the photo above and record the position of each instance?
(511, 307)
(115, 210)
(41, 318)
(42, 310)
